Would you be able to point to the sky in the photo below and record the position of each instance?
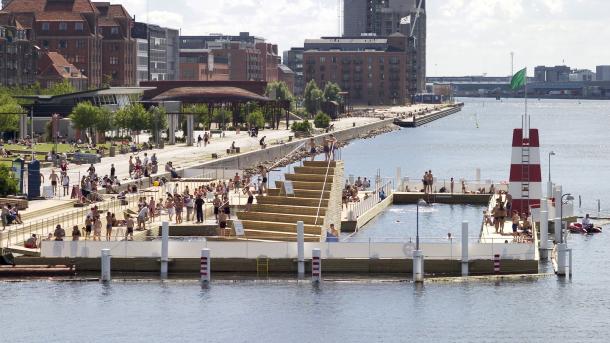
(465, 37)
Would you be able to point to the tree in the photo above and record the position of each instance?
(331, 92)
(313, 97)
(63, 87)
(104, 121)
(202, 115)
(256, 119)
(157, 121)
(8, 183)
(322, 120)
(279, 91)
(221, 116)
(84, 116)
(9, 113)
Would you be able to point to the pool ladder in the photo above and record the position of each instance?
(262, 266)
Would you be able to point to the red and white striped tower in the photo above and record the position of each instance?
(525, 181)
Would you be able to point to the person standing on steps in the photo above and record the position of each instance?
(312, 148)
(199, 208)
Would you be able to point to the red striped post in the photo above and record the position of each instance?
(497, 264)
(316, 265)
(204, 270)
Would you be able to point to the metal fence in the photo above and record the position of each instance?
(371, 198)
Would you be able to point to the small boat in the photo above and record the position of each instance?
(589, 229)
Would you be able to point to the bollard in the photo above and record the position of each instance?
(106, 265)
(464, 248)
(557, 228)
(561, 259)
(300, 249)
(316, 266)
(544, 233)
(205, 270)
(418, 266)
(164, 249)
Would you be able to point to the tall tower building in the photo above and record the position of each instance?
(384, 17)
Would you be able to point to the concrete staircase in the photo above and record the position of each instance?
(274, 216)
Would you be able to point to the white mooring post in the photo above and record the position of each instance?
(205, 270)
(164, 249)
(562, 254)
(464, 248)
(316, 266)
(106, 265)
(544, 232)
(557, 227)
(418, 266)
(398, 184)
(300, 249)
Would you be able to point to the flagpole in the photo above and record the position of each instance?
(526, 129)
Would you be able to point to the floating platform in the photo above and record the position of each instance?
(425, 119)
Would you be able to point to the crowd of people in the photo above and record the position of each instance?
(502, 211)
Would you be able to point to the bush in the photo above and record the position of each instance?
(8, 184)
(304, 126)
(256, 119)
(322, 120)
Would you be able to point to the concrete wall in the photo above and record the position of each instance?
(442, 198)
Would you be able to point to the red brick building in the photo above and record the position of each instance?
(372, 69)
(54, 68)
(77, 30)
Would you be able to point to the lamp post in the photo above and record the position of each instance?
(420, 202)
(568, 197)
(549, 188)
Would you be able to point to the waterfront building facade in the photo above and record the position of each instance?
(552, 74)
(93, 36)
(18, 55)
(602, 73)
(247, 58)
(287, 76)
(373, 70)
(293, 59)
(385, 17)
(158, 52)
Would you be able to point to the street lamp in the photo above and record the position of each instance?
(552, 153)
(420, 202)
(568, 197)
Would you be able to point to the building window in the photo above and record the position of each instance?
(63, 44)
(45, 44)
(114, 60)
(322, 59)
(45, 26)
(78, 26)
(333, 59)
(63, 26)
(80, 43)
(114, 30)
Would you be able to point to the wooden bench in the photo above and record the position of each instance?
(21, 204)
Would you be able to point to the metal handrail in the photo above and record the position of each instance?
(332, 146)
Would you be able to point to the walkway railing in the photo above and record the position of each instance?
(332, 151)
(372, 198)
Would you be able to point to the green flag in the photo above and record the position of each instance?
(518, 79)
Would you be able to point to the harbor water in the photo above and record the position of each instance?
(534, 309)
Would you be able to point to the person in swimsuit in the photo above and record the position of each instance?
(129, 223)
(216, 202)
(108, 225)
(326, 149)
(250, 198)
(88, 227)
(227, 208)
(312, 148)
(97, 229)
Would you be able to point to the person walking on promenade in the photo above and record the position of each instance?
(108, 225)
(112, 171)
(129, 224)
(54, 178)
(206, 139)
(65, 182)
(59, 233)
(131, 165)
(75, 233)
(199, 208)
(97, 229)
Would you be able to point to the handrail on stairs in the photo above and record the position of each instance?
(332, 146)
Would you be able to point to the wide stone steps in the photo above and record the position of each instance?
(310, 177)
(282, 200)
(285, 209)
(25, 216)
(319, 164)
(312, 186)
(280, 217)
(279, 227)
(300, 193)
(314, 170)
(270, 236)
